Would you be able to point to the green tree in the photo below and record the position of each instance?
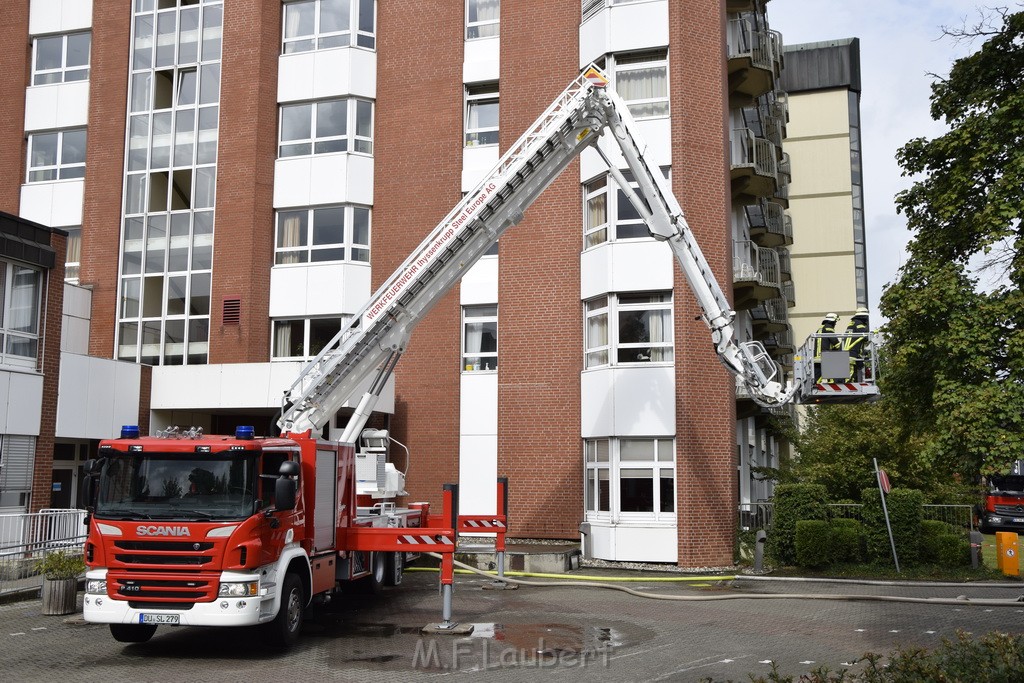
(955, 362)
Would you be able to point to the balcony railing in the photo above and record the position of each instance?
(789, 294)
(768, 224)
(785, 264)
(749, 151)
(752, 263)
(748, 40)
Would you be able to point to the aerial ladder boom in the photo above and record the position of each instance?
(367, 350)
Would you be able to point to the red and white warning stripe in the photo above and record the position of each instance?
(484, 524)
(844, 388)
(424, 539)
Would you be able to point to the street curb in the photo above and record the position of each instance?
(875, 582)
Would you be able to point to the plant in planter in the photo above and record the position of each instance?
(60, 570)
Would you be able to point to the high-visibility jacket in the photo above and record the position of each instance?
(824, 342)
(858, 339)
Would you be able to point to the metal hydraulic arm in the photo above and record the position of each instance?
(365, 353)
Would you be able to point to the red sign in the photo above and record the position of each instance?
(883, 480)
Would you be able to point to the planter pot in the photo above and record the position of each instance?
(60, 596)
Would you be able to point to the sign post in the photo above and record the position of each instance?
(883, 488)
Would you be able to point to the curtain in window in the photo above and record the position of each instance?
(74, 253)
(290, 235)
(484, 10)
(658, 325)
(642, 84)
(282, 339)
(24, 304)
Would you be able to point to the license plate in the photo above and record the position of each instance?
(1018, 520)
(159, 619)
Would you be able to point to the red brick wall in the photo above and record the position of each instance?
(247, 147)
(104, 168)
(15, 61)
(417, 180)
(49, 366)
(539, 312)
(705, 403)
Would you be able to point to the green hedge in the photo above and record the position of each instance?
(814, 547)
(944, 544)
(906, 510)
(848, 539)
(793, 502)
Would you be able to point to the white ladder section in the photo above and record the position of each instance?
(378, 335)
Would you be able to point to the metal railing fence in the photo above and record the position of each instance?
(26, 537)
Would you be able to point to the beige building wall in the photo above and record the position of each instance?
(821, 206)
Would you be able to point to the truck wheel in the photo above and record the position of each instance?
(374, 583)
(394, 568)
(284, 630)
(132, 633)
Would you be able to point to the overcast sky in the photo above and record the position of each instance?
(901, 43)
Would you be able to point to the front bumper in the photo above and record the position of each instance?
(1009, 522)
(248, 611)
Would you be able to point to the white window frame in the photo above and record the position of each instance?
(357, 137)
(278, 330)
(61, 170)
(604, 464)
(481, 28)
(625, 63)
(355, 35)
(356, 248)
(478, 360)
(28, 331)
(603, 313)
(483, 93)
(613, 229)
(62, 73)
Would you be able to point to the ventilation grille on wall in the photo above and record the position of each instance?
(232, 311)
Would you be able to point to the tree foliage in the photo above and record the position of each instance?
(955, 362)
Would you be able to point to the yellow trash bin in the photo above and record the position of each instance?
(1007, 558)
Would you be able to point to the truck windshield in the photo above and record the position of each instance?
(172, 486)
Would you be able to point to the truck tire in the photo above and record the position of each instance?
(132, 633)
(394, 568)
(374, 583)
(283, 632)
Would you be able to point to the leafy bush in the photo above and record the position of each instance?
(59, 564)
(793, 502)
(848, 539)
(944, 544)
(813, 543)
(905, 514)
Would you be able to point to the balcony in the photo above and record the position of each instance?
(771, 315)
(739, 6)
(768, 224)
(764, 119)
(785, 264)
(789, 294)
(754, 166)
(755, 275)
(779, 345)
(753, 65)
(785, 177)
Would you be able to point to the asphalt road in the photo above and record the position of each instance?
(564, 634)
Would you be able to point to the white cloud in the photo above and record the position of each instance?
(901, 44)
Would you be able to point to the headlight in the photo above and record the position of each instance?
(96, 586)
(239, 590)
